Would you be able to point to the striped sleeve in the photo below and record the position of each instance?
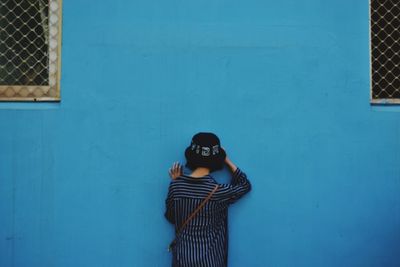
(238, 187)
(170, 207)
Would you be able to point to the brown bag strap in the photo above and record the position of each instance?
(197, 209)
(171, 245)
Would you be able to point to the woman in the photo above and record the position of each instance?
(198, 206)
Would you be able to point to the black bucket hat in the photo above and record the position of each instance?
(205, 151)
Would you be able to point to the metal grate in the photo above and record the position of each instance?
(29, 49)
(385, 51)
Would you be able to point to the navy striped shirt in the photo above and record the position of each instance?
(204, 240)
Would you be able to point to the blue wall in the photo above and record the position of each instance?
(285, 84)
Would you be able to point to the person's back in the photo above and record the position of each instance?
(203, 241)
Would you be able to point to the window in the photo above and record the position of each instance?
(30, 34)
(385, 51)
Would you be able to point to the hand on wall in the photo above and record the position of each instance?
(175, 171)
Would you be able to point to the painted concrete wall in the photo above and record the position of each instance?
(285, 84)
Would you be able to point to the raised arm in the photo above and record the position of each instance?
(174, 172)
(230, 164)
(239, 185)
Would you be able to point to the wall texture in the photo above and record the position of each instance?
(285, 84)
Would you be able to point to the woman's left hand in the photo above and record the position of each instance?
(175, 171)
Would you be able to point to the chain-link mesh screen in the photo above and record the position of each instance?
(385, 50)
(23, 50)
(29, 49)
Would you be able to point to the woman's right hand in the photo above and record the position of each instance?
(175, 171)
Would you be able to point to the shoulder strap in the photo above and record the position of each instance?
(171, 245)
(194, 213)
